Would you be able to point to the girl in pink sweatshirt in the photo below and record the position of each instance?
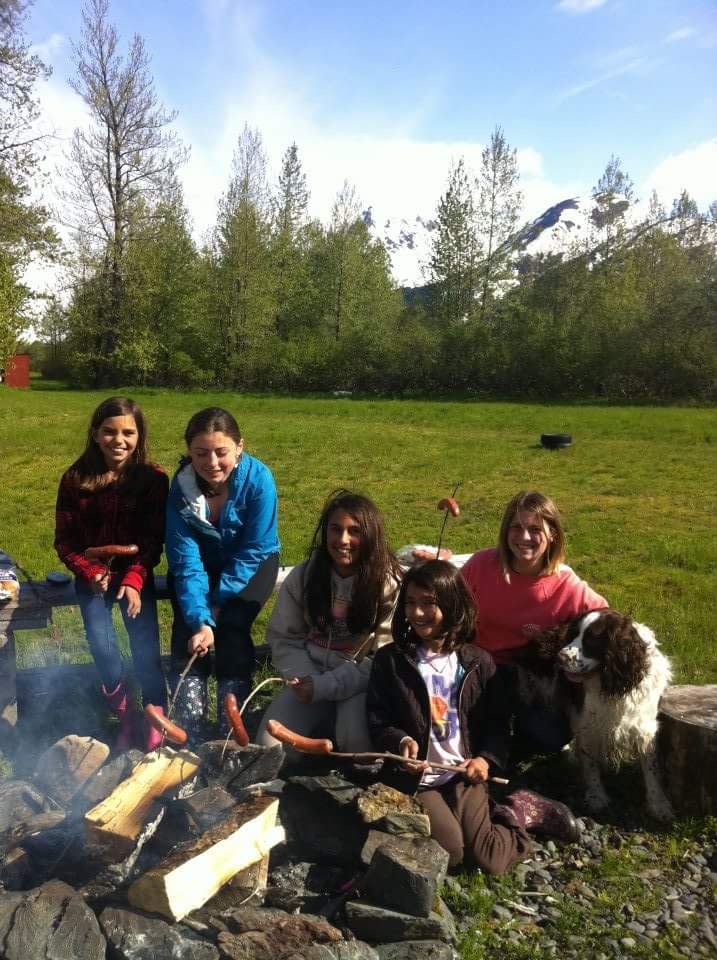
(522, 587)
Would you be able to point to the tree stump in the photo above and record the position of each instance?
(688, 748)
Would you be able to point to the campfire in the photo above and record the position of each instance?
(210, 854)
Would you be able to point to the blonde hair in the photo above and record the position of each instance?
(531, 501)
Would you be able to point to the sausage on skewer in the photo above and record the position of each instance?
(231, 708)
(112, 550)
(295, 740)
(172, 731)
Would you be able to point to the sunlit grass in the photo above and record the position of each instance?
(637, 489)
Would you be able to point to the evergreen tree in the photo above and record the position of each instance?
(498, 209)
(160, 342)
(289, 239)
(614, 180)
(243, 302)
(455, 250)
(686, 219)
(613, 194)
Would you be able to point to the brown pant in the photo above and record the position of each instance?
(460, 815)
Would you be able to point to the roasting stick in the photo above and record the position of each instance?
(163, 724)
(324, 747)
(451, 509)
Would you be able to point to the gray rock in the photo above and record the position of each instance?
(254, 934)
(51, 921)
(320, 818)
(19, 801)
(503, 913)
(236, 767)
(405, 824)
(415, 950)
(380, 804)
(378, 925)
(406, 880)
(302, 886)
(132, 936)
(349, 950)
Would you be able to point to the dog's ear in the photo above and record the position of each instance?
(539, 654)
(625, 660)
(547, 644)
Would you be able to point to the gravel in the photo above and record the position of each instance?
(557, 879)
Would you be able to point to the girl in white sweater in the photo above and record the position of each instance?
(333, 611)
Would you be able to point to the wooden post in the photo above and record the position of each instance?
(687, 744)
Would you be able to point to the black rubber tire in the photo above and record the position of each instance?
(555, 441)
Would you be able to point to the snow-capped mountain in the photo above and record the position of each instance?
(562, 228)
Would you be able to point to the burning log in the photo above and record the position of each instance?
(189, 877)
(115, 824)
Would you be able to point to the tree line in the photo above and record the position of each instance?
(273, 299)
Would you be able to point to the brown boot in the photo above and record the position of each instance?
(544, 817)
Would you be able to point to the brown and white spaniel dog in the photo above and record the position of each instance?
(609, 673)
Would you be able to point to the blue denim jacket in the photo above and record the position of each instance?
(212, 564)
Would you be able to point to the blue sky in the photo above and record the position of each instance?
(387, 94)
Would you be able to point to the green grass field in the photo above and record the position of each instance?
(638, 488)
(638, 491)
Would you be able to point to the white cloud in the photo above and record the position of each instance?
(635, 65)
(683, 33)
(580, 6)
(691, 169)
(50, 49)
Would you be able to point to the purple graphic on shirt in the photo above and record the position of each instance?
(443, 698)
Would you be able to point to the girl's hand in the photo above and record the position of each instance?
(303, 687)
(408, 748)
(100, 582)
(202, 641)
(475, 770)
(134, 600)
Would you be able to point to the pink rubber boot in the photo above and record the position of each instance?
(119, 702)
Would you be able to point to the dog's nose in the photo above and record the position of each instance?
(568, 655)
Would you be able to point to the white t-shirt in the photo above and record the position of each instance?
(442, 674)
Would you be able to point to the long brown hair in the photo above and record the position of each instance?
(209, 420)
(531, 501)
(90, 468)
(453, 597)
(376, 564)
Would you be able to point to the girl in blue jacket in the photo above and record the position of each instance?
(223, 554)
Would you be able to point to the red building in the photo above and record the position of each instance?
(17, 371)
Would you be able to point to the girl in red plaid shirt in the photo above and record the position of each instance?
(113, 495)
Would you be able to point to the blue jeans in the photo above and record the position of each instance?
(233, 647)
(143, 631)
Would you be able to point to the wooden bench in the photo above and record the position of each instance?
(33, 611)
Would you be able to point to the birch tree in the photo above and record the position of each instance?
(498, 210)
(119, 164)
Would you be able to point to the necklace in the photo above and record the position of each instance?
(429, 658)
